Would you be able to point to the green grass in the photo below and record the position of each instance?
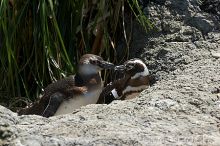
(41, 41)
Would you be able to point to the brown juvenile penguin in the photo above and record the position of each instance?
(136, 78)
(65, 95)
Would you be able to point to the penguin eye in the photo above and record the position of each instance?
(129, 66)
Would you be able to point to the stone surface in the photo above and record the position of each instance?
(216, 54)
(181, 108)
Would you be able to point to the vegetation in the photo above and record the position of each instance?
(41, 41)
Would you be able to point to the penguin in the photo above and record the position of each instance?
(136, 78)
(73, 92)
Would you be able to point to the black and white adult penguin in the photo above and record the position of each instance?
(67, 94)
(136, 78)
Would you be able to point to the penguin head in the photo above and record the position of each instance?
(134, 68)
(92, 64)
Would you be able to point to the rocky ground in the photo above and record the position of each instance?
(181, 108)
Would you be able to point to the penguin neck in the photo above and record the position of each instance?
(87, 79)
(135, 82)
(136, 85)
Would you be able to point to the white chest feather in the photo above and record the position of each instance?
(67, 106)
(134, 89)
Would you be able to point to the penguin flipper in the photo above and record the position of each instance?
(54, 102)
(105, 96)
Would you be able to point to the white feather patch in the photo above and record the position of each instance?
(115, 94)
(131, 89)
(144, 73)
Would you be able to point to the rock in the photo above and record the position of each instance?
(211, 6)
(179, 109)
(216, 55)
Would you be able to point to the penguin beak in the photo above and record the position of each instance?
(106, 65)
(120, 68)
